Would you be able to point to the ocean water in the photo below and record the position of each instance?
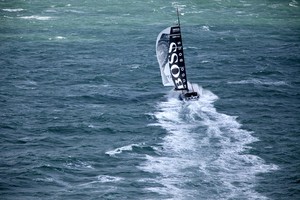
(83, 113)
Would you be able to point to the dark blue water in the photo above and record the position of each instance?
(84, 114)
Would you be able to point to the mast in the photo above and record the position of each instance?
(178, 21)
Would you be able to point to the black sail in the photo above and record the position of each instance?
(176, 59)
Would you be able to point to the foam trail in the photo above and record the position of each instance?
(204, 153)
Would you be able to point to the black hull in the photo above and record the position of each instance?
(189, 96)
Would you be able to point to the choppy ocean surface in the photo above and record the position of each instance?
(83, 113)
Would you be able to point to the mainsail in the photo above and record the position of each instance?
(169, 52)
(176, 59)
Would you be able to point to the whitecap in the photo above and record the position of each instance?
(293, 3)
(101, 180)
(259, 82)
(91, 126)
(107, 179)
(60, 37)
(78, 165)
(37, 17)
(75, 11)
(13, 9)
(122, 149)
(179, 6)
(134, 67)
(48, 179)
(205, 28)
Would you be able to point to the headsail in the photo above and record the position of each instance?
(162, 48)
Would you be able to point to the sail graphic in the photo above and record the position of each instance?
(162, 49)
(176, 59)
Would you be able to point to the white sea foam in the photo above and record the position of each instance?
(259, 82)
(57, 38)
(78, 165)
(52, 180)
(205, 28)
(203, 146)
(60, 37)
(13, 9)
(293, 3)
(101, 179)
(75, 11)
(122, 149)
(37, 17)
(106, 178)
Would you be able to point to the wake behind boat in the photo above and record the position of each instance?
(169, 52)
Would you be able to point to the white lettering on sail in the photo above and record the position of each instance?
(179, 83)
(175, 71)
(173, 56)
(172, 47)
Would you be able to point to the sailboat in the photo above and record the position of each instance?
(169, 53)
